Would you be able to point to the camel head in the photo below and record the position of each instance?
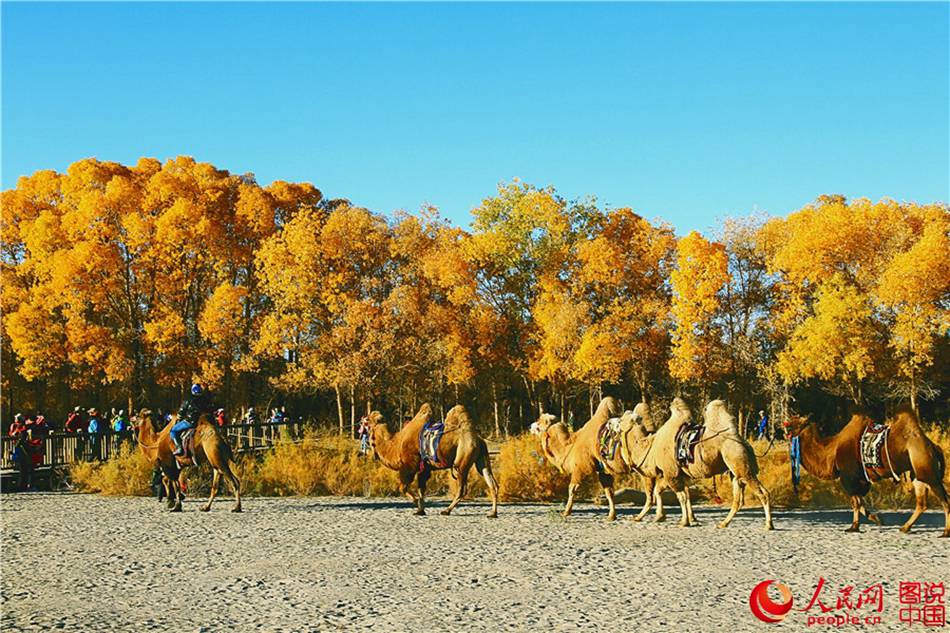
(377, 426)
(796, 424)
(541, 426)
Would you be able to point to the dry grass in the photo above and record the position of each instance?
(127, 474)
(326, 464)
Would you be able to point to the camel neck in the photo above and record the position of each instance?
(817, 453)
(386, 446)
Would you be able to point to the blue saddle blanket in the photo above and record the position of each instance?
(429, 439)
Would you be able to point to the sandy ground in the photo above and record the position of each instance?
(89, 563)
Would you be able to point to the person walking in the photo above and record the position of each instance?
(95, 429)
(763, 424)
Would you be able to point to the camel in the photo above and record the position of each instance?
(907, 449)
(459, 448)
(578, 453)
(210, 446)
(720, 450)
(636, 435)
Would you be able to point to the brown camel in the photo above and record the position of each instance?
(210, 446)
(907, 449)
(459, 448)
(720, 450)
(578, 453)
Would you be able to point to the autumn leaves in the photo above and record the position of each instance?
(141, 277)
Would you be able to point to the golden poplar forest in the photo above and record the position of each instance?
(123, 284)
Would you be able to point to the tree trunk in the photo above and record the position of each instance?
(339, 405)
(352, 408)
(494, 402)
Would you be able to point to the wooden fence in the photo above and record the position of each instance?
(61, 448)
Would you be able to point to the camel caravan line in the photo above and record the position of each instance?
(613, 442)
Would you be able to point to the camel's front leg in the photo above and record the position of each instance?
(607, 482)
(423, 479)
(571, 492)
(856, 511)
(682, 495)
(648, 498)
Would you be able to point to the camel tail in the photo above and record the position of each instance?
(482, 460)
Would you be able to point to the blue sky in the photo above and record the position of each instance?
(689, 112)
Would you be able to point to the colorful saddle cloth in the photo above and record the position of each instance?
(874, 448)
(187, 458)
(687, 438)
(429, 439)
(608, 439)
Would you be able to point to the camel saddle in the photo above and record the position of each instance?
(873, 447)
(608, 439)
(429, 439)
(687, 437)
(187, 458)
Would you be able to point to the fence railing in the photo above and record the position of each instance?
(61, 448)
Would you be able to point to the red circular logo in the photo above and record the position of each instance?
(764, 607)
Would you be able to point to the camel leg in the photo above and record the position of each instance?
(174, 489)
(856, 504)
(736, 502)
(682, 496)
(869, 513)
(462, 488)
(920, 492)
(571, 492)
(214, 490)
(658, 498)
(765, 499)
(422, 480)
(648, 498)
(235, 484)
(483, 464)
(941, 493)
(607, 482)
(689, 508)
(405, 481)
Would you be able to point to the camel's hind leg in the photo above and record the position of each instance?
(173, 488)
(920, 492)
(462, 488)
(571, 493)
(214, 490)
(235, 484)
(689, 508)
(737, 498)
(765, 499)
(941, 493)
(483, 464)
(648, 498)
(658, 499)
(607, 482)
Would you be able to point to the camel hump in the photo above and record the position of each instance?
(457, 416)
(609, 407)
(907, 413)
(425, 409)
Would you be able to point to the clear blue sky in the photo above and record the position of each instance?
(688, 112)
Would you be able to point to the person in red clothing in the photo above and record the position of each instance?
(220, 418)
(74, 422)
(17, 426)
(39, 427)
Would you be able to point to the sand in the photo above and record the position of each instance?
(89, 563)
